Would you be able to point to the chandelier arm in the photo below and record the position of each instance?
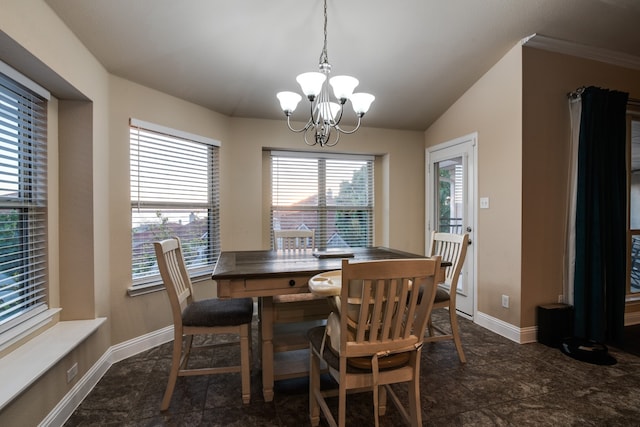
(337, 120)
(306, 141)
(348, 132)
(331, 144)
(314, 111)
(303, 129)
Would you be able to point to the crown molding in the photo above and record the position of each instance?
(621, 59)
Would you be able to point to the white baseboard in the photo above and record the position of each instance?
(139, 344)
(507, 330)
(63, 410)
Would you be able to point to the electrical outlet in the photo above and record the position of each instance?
(505, 301)
(72, 372)
(560, 299)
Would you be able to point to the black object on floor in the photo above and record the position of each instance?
(555, 322)
(587, 350)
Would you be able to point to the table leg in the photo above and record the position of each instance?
(267, 347)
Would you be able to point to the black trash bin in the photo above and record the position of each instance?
(555, 323)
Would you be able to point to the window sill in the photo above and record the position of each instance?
(15, 334)
(633, 299)
(135, 291)
(24, 365)
(138, 290)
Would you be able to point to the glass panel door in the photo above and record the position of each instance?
(451, 207)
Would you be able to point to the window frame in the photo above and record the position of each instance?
(24, 190)
(149, 195)
(323, 236)
(633, 115)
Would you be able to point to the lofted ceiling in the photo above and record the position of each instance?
(416, 56)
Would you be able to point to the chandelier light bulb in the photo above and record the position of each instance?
(311, 83)
(343, 87)
(361, 102)
(329, 111)
(288, 101)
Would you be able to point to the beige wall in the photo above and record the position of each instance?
(242, 188)
(548, 77)
(519, 109)
(135, 316)
(34, 41)
(492, 107)
(90, 218)
(399, 182)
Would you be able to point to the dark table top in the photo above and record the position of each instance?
(269, 263)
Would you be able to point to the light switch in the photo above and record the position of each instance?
(484, 203)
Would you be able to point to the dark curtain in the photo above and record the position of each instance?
(600, 265)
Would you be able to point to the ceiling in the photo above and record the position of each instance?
(416, 56)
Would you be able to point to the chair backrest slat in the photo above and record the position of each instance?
(384, 310)
(452, 248)
(294, 240)
(174, 275)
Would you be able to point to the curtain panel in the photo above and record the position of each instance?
(600, 264)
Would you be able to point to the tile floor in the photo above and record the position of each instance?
(502, 384)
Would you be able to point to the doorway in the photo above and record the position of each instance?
(450, 205)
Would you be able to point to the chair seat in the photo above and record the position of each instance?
(441, 295)
(217, 312)
(354, 364)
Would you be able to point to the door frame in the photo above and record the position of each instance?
(472, 171)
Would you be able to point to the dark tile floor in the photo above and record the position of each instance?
(502, 384)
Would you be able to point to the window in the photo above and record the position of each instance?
(634, 204)
(174, 192)
(331, 194)
(23, 199)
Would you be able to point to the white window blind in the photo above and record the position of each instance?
(331, 194)
(174, 192)
(23, 202)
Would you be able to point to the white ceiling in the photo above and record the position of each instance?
(416, 56)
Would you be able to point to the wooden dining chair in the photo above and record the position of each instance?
(453, 248)
(203, 317)
(374, 338)
(294, 240)
(301, 306)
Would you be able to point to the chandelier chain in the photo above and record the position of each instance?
(324, 57)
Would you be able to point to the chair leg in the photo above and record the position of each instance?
(314, 388)
(415, 409)
(245, 363)
(455, 331)
(173, 375)
(382, 401)
(267, 348)
(342, 405)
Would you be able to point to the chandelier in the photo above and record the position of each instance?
(325, 114)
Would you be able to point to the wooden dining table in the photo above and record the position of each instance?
(267, 273)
